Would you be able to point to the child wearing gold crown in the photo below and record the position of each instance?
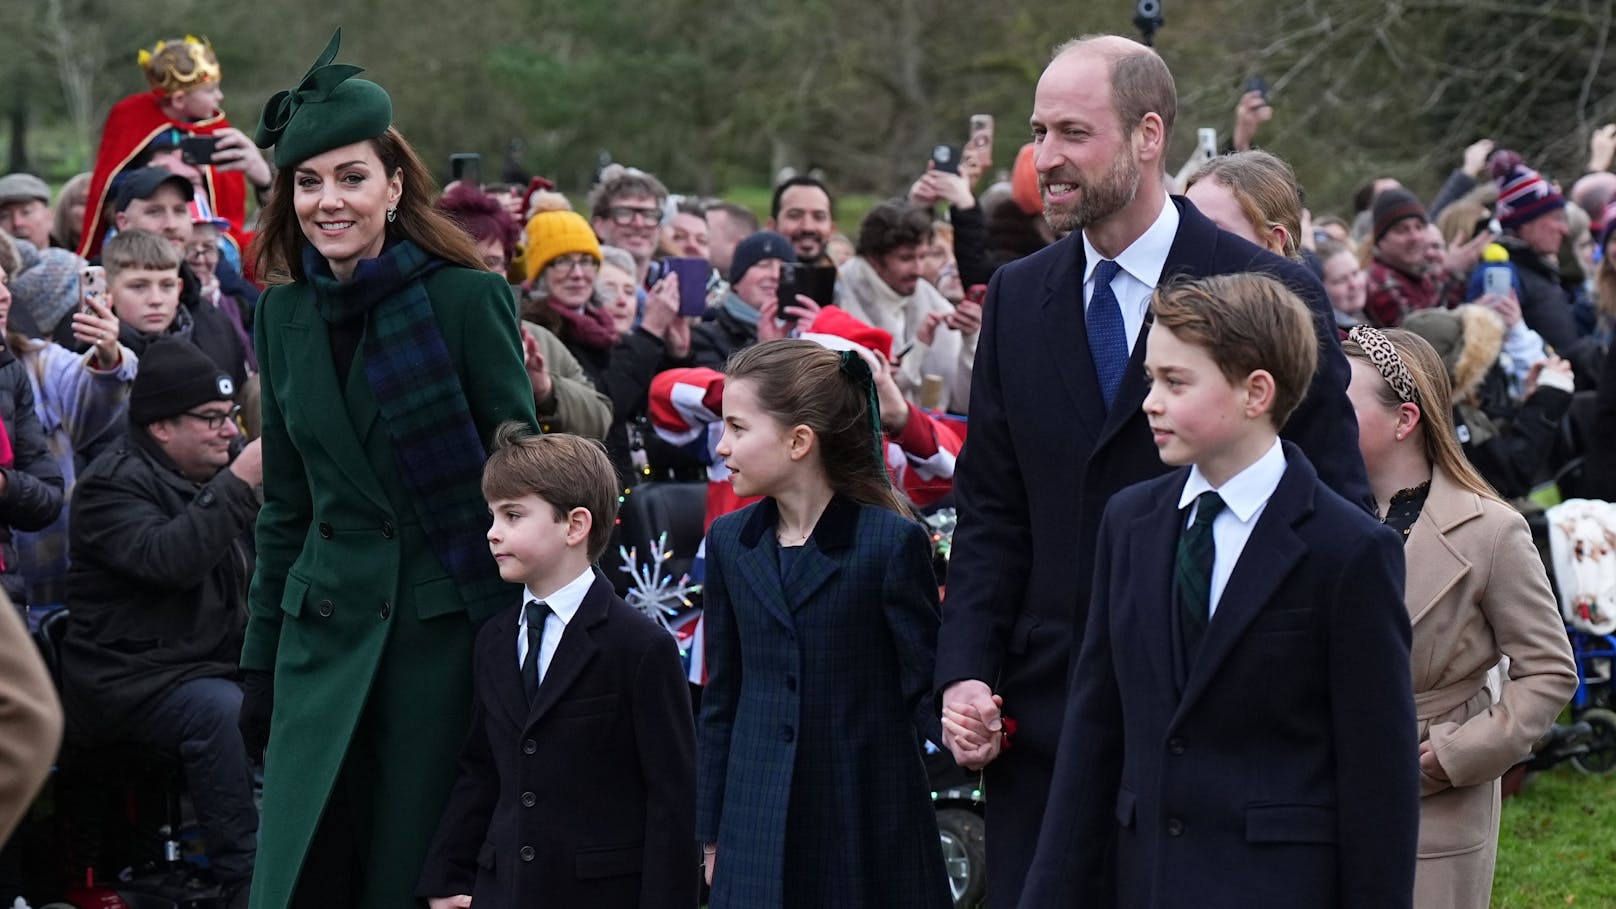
(182, 101)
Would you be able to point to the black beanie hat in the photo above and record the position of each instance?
(1394, 205)
(765, 244)
(174, 377)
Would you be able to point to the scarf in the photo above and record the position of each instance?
(418, 393)
(589, 327)
(740, 311)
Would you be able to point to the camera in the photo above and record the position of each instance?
(1147, 15)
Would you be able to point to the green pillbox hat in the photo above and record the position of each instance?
(328, 109)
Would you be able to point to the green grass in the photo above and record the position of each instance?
(1557, 843)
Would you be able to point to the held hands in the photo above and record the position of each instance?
(1552, 372)
(1507, 307)
(537, 371)
(235, 152)
(662, 306)
(972, 723)
(800, 316)
(95, 326)
(458, 901)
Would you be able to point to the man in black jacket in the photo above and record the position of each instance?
(161, 543)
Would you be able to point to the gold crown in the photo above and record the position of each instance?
(173, 66)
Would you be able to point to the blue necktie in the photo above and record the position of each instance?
(1108, 337)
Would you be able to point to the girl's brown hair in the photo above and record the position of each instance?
(277, 249)
(1433, 395)
(1265, 188)
(801, 383)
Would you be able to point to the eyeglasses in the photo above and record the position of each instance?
(215, 421)
(209, 252)
(581, 262)
(624, 215)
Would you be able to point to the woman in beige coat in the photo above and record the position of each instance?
(1476, 592)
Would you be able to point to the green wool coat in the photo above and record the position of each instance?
(367, 636)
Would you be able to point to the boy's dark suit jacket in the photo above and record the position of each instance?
(1043, 458)
(586, 798)
(1286, 772)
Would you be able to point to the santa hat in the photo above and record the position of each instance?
(1523, 194)
(835, 329)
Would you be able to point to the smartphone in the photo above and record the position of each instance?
(693, 275)
(467, 167)
(946, 158)
(92, 285)
(197, 151)
(816, 282)
(1206, 142)
(1256, 83)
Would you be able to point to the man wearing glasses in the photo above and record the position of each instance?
(626, 212)
(161, 544)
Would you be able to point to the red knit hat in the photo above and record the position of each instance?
(836, 322)
(1523, 194)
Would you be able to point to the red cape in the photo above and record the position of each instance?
(131, 124)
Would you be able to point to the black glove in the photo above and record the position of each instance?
(257, 704)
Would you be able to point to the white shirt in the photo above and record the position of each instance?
(1245, 494)
(563, 605)
(1141, 266)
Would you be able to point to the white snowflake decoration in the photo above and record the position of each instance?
(653, 593)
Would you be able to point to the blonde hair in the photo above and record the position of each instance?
(1265, 188)
(1433, 395)
(135, 248)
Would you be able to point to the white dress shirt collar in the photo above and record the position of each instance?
(1146, 257)
(564, 602)
(1246, 492)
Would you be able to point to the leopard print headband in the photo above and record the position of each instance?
(1384, 356)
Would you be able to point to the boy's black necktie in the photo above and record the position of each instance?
(536, 612)
(1194, 576)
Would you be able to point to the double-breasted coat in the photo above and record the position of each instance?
(368, 637)
(1283, 771)
(1476, 591)
(809, 769)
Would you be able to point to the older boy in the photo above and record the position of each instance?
(577, 782)
(1240, 728)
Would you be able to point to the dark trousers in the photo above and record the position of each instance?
(198, 720)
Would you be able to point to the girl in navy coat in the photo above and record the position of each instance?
(821, 622)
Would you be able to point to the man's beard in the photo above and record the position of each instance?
(801, 240)
(1097, 201)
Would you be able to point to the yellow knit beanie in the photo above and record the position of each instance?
(555, 231)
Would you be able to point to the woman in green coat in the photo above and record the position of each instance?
(388, 358)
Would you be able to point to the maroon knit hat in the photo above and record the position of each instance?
(1523, 194)
(1394, 205)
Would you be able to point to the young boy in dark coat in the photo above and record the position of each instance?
(577, 782)
(1240, 730)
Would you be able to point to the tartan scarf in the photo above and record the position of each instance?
(418, 393)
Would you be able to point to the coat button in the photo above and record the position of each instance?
(787, 734)
(530, 746)
(325, 530)
(387, 529)
(1175, 745)
(529, 800)
(386, 610)
(325, 608)
(526, 853)
(1175, 827)
(791, 683)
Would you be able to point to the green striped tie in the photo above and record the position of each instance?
(1194, 575)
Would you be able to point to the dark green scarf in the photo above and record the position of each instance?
(439, 452)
